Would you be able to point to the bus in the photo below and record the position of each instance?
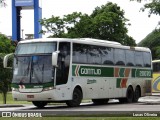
(156, 77)
(70, 70)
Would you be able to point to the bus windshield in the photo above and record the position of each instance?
(32, 63)
(36, 48)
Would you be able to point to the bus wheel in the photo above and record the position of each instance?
(39, 104)
(100, 101)
(129, 94)
(76, 98)
(137, 94)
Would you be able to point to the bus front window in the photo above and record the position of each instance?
(34, 65)
(32, 69)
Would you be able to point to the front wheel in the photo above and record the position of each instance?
(76, 98)
(39, 104)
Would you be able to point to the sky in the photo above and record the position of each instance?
(141, 24)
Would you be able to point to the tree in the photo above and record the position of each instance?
(152, 41)
(5, 74)
(106, 22)
(154, 7)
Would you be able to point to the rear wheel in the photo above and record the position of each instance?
(39, 104)
(129, 95)
(100, 101)
(76, 98)
(137, 94)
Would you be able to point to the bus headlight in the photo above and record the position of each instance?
(15, 89)
(47, 88)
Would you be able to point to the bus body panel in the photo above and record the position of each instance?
(60, 93)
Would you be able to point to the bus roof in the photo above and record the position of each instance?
(90, 40)
(86, 41)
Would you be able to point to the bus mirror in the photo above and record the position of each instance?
(5, 61)
(55, 58)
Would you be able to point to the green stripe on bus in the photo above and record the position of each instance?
(121, 72)
(142, 73)
(118, 83)
(92, 71)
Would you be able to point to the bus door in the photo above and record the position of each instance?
(62, 71)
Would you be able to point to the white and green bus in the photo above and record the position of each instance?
(69, 70)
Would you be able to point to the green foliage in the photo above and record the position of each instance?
(106, 22)
(5, 74)
(152, 41)
(153, 6)
(5, 44)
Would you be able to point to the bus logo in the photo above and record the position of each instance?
(89, 71)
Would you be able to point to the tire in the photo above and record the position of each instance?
(76, 98)
(137, 94)
(129, 95)
(39, 104)
(100, 101)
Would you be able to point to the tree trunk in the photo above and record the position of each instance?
(4, 97)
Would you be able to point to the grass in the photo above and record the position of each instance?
(11, 101)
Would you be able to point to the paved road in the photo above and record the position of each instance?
(150, 104)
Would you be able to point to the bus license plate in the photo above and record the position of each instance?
(30, 96)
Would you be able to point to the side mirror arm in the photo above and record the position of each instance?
(5, 60)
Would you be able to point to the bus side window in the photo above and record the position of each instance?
(79, 53)
(93, 55)
(107, 55)
(156, 67)
(130, 58)
(139, 59)
(119, 57)
(147, 59)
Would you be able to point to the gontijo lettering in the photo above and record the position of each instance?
(90, 71)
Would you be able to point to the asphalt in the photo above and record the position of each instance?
(154, 99)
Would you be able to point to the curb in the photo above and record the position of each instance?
(9, 105)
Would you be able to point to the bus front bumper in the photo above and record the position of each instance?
(35, 96)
